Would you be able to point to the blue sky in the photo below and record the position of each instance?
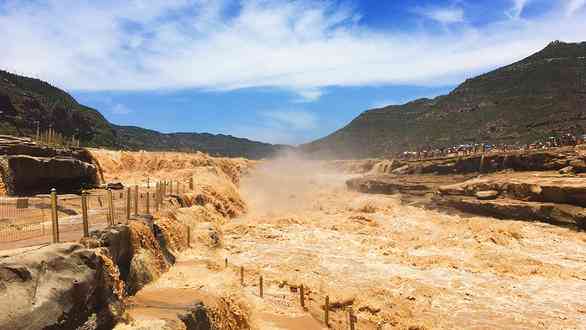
(280, 71)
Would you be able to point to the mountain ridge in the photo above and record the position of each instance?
(543, 94)
(25, 101)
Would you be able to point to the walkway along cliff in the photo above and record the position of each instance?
(86, 284)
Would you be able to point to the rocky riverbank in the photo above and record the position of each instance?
(546, 186)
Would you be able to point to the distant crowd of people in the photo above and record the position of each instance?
(480, 148)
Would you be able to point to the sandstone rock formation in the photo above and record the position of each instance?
(71, 286)
(29, 168)
(57, 286)
(535, 187)
(546, 186)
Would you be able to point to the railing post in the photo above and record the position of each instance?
(161, 194)
(128, 192)
(84, 217)
(351, 318)
(136, 200)
(110, 207)
(157, 196)
(54, 216)
(302, 296)
(327, 312)
(148, 203)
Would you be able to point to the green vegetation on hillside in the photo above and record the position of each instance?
(540, 96)
(27, 102)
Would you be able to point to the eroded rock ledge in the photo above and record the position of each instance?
(540, 196)
(547, 186)
(84, 285)
(29, 168)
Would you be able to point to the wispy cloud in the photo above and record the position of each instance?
(120, 109)
(281, 126)
(443, 15)
(517, 8)
(309, 95)
(302, 45)
(292, 120)
(573, 6)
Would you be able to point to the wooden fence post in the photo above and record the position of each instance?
(84, 218)
(136, 200)
(302, 296)
(157, 196)
(188, 236)
(191, 183)
(161, 195)
(128, 193)
(54, 215)
(242, 275)
(327, 312)
(351, 318)
(260, 287)
(110, 207)
(148, 202)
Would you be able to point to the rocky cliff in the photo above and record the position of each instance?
(540, 96)
(29, 168)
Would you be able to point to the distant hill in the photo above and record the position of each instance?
(26, 101)
(539, 96)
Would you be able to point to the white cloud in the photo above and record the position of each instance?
(309, 95)
(518, 7)
(292, 120)
(443, 15)
(303, 45)
(281, 126)
(120, 109)
(572, 6)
